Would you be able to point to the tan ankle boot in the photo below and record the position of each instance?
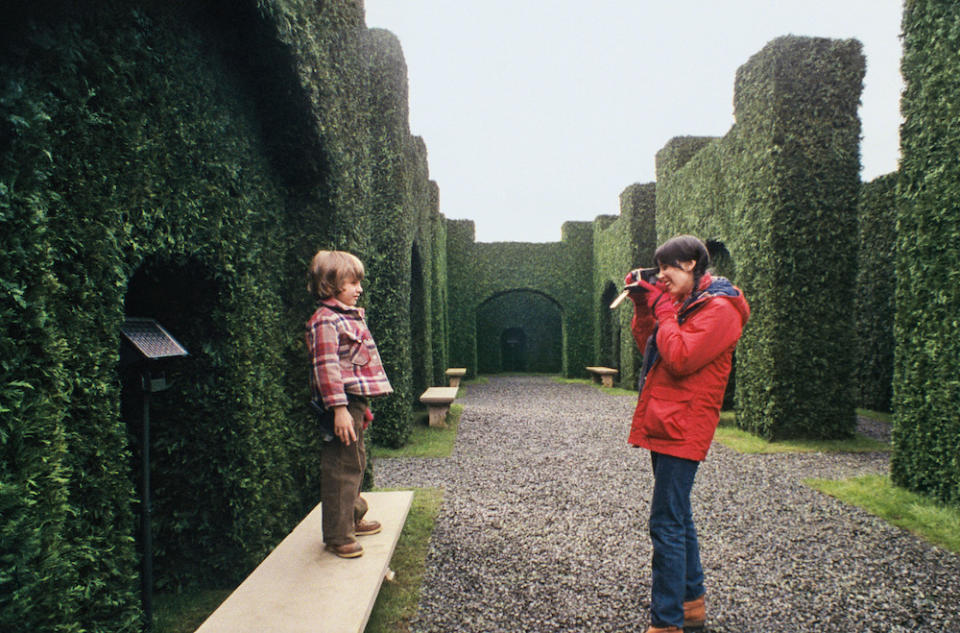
(662, 629)
(694, 614)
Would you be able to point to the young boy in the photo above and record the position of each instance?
(345, 372)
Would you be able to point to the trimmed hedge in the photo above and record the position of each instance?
(621, 244)
(779, 193)
(875, 301)
(927, 325)
(480, 272)
(184, 161)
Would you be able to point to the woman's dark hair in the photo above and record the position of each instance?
(684, 248)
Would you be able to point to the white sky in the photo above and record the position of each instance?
(535, 112)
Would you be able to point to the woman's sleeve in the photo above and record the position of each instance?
(642, 325)
(702, 338)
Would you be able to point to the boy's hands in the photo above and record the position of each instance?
(343, 425)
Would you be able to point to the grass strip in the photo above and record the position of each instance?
(928, 519)
(745, 442)
(611, 391)
(876, 415)
(398, 599)
(424, 440)
(184, 612)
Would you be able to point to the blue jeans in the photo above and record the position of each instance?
(677, 574)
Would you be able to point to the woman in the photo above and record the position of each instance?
(687, 326)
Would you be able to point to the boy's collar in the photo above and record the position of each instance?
(335, 304)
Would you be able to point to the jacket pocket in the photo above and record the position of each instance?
(666, 410)
(359, 352)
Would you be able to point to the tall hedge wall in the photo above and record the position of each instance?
(620, 245)
(779, 193)
(927, 327)
(479, 272)
(438, 291)
(875, 300)
(185, 160)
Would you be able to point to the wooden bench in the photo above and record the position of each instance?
(301, 587)
(438, 400)
(605, 374)
(455, 374)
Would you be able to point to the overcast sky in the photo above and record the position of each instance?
(535, 112)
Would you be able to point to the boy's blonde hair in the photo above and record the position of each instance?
(329, 271)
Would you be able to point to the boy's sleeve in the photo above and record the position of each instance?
(324, 345)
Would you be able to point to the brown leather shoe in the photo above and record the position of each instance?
(668, 629)
(366, 528)
(347, 550)
(694, 614)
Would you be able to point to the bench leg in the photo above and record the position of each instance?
(438, 416)
(608, 381)
(455, 381)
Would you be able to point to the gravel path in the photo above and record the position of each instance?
(543, 528)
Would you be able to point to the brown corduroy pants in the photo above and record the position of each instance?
(341, 476)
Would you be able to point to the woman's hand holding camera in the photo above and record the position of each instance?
(657, 297)
(662, 305)
(647, 289)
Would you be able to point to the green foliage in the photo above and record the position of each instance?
(927, 326)
(746, 442)
(426, 441)
(35, 558)
(779, 193)
(479, 273)
(184, 161)
(921, 515)
(621, 244)
(876, 283)
(397, 601)
(184, 612)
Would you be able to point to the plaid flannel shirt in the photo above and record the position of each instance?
(344, 357)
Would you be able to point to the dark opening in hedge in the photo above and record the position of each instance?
(184, 297)
(418, 323)
(513, 349)
(720, 259)
(519, 330)
(609, 329)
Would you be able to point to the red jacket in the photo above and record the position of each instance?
(679, 405)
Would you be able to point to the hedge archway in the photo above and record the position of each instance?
(520, 330)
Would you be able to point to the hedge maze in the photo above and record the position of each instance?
(183, 161)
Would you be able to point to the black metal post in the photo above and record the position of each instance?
(147, 575)
(150, 341)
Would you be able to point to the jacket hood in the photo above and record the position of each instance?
(719, 287)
